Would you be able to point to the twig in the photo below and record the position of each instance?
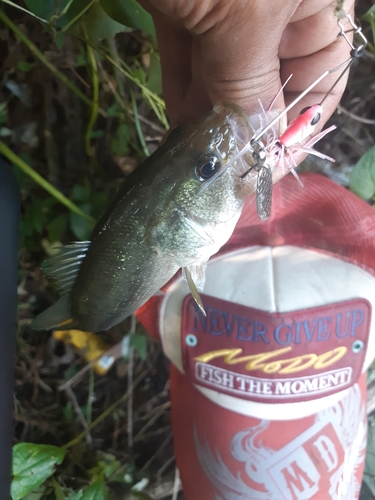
(106, 413)
(73, 399)
(161, 448)
(113, 351)
(152, 420)
(164, 467)
(360, 119)
(122, 103)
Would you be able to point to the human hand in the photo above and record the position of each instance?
(242, 51)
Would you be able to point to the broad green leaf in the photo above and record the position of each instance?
(129, 13)
(100, 25)
(139, 342)
(154, 75)
(362, 178)
(41, 8)
(96, 491)
(81, 227)
(81, 193)
(32, 465)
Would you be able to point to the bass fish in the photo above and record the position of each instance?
(174, 211)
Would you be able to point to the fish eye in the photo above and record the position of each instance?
(316, 118)
(207, 167)
(304, 110)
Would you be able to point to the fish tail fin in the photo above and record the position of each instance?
(58, 316)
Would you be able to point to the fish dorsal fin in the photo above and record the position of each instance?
(189, 277)
(63, 267)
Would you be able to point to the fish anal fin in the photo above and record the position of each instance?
(56, 316)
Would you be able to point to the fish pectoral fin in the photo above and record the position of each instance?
(56, 316)
(193, 289)
(64, 266)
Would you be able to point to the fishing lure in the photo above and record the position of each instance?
(279, 151)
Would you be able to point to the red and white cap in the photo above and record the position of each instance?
(268, 390)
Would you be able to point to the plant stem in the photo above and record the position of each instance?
(65, 28)
(25, 10)
(16, 160)
(138, 125)
(95, 100)
(106, 413)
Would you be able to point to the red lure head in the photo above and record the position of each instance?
(302, 127)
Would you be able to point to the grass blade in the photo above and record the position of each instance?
(16, 160)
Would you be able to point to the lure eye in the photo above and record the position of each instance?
(207, 168)
(316, 118)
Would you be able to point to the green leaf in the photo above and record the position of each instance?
(68, 412)
(59, 40)
(3, 116)
(154, 74)
(370, 18)
(100, 25)
(96, 491)
(32, 465)
(139, 342)
(24, 66)
(129, 13)
(139, 74)
(99, 202)
(58, 491)
(81, 227)
(38, 494)
(81, 193)
(42, 8)
(120, 143)
(362, 178)
(76, 496)
(57, 228)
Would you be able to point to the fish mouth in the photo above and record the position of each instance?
(240, 157)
